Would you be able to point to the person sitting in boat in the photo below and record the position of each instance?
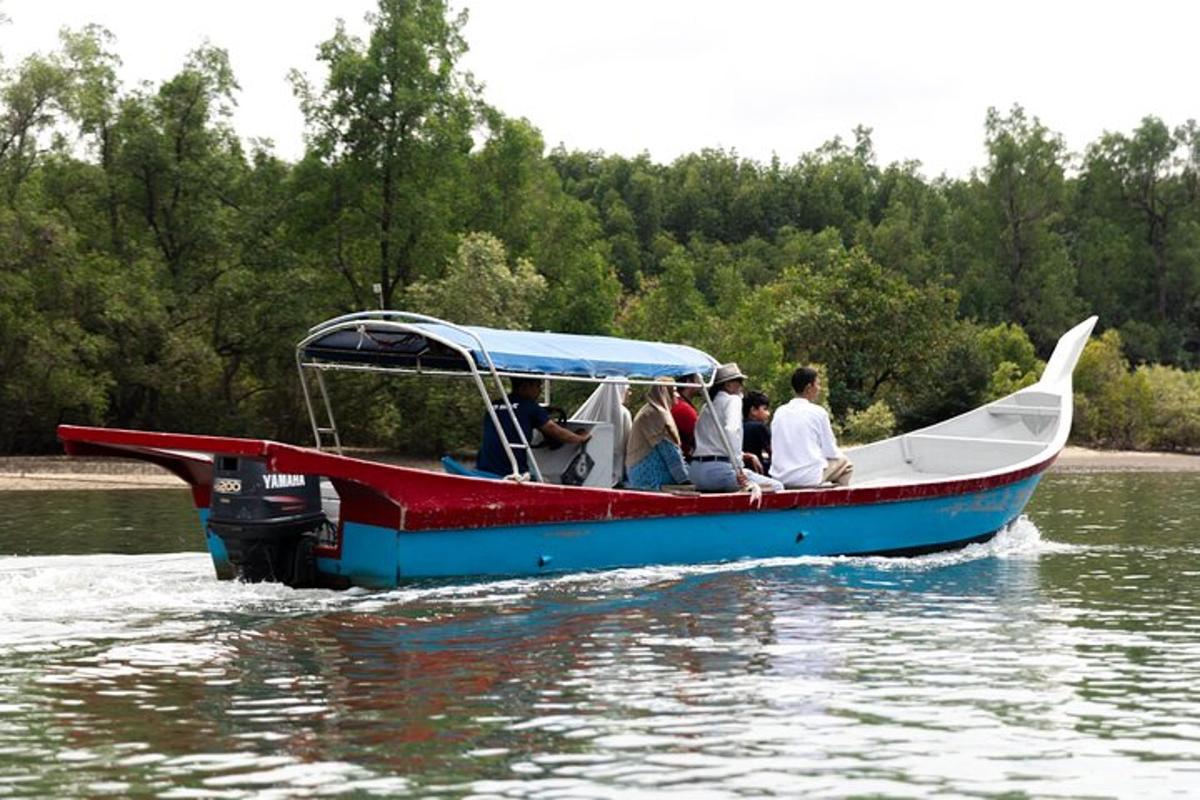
(653, 455)
(711, 468)
(530, 414)
(607, 404)
(756, 434)
(685, 414)
(804, 450)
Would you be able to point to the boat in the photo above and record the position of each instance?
(316, 516)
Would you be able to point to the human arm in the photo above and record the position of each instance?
(829, 447)
(729, 413)
(672, 458)
(751, 461)
(553, 430)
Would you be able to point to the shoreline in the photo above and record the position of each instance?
(61, 473)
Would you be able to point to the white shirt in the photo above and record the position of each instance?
(728, 408)
(802, 443)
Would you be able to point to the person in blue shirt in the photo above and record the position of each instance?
(530, 415)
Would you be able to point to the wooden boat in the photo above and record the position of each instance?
(313, 516)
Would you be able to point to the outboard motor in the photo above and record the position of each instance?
(268, 521)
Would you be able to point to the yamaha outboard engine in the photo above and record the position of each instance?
(268, 521)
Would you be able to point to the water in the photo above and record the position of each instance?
(1062, 659)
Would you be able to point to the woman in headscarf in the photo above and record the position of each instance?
(653, 456)
(607, 404)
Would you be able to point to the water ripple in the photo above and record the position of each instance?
(1060, 659)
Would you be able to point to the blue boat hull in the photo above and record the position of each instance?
(379, 557)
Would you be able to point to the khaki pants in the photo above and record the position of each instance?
(838, 471)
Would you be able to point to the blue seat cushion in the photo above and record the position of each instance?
(455, 467)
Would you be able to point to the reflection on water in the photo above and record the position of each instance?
(1060, 659)
(119, 521)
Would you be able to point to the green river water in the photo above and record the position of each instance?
(1060, 660)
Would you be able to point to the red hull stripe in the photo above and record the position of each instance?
(410, 499)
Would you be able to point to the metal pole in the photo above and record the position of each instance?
(312, 415)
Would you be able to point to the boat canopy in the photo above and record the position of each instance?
(409, 342)
(405, 342)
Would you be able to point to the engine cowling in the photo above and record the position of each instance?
(268, 521)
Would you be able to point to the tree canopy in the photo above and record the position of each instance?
(156, 269)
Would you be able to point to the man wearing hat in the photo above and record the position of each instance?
(719, 438)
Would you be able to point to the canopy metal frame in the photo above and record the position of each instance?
(408, 322)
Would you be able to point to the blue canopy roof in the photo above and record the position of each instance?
(404, 343)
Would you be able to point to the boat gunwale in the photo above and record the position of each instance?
(413, 499)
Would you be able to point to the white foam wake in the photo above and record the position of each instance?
(52, 602)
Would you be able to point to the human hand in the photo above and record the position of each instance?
(751, 461)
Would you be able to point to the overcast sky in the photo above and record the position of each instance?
(674, 76)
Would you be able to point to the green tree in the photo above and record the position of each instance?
(837, 185)
(1140, 210)
(93, 103)
(53, 367)
(582, 287)
(1012, 358)
(870, 424)
(30, 100)
(480, 287)
(1175, 411)
(1015, 265)
(670, 307)
(1112, 405)
(393, 123)
(870, 327)
(511, 182)
(911, 236)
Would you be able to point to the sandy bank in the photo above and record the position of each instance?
(1081, 459)
(63, 472)
(66, 472)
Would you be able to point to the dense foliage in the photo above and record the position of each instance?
(155, 271)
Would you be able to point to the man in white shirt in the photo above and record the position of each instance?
(804, 451)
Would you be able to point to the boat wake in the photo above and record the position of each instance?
(59, 602)
(1020, 539)
(69, 602)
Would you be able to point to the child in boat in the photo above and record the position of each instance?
(756, 435)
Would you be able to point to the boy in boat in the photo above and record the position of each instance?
(804, 451)
(756, 435)
(530, 414)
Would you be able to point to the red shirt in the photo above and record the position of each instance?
(685, 419)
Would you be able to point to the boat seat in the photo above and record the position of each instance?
(1023, 411)
(455, 467)
(684, 489)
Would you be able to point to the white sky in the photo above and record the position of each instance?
(674, 76)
